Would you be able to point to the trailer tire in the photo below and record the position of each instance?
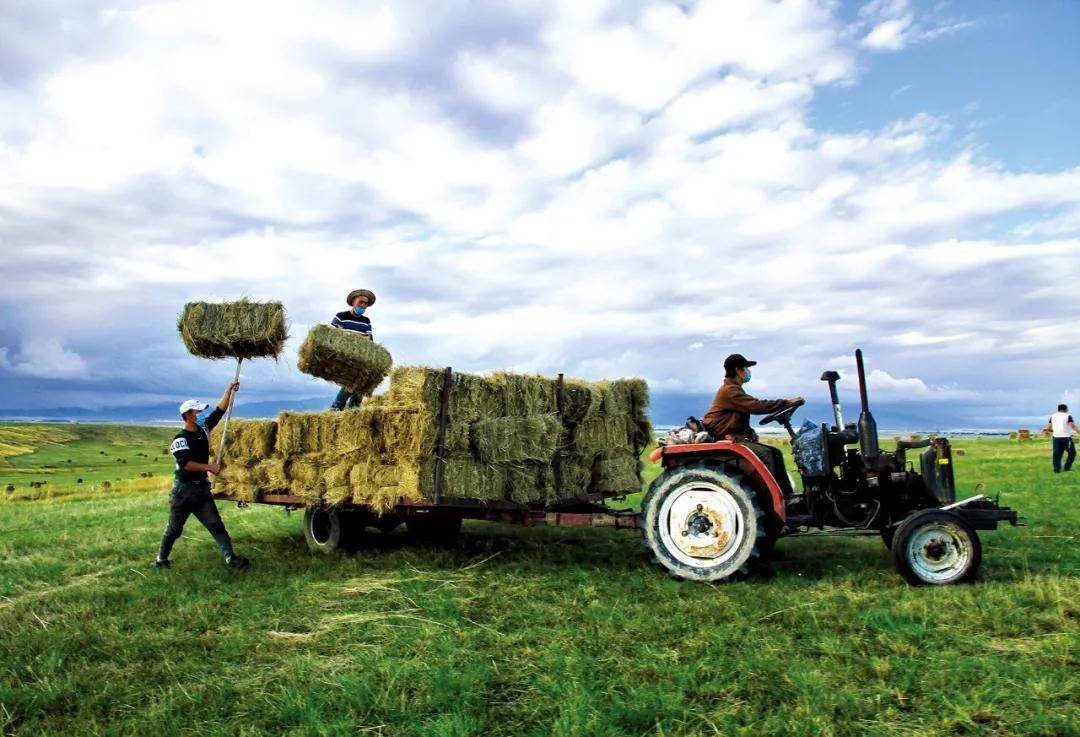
(434, 530)
(328, 530)
(934, 547)
(702, 523)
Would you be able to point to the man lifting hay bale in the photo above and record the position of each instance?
(191, 488)
(241, 329)
(344, 353)
(353, 320)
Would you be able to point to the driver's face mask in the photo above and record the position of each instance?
(746, 377)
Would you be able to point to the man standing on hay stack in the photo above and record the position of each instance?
(359, 300)
(191, 489)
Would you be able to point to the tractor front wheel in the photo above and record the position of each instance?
(702, 523)
(936, 548)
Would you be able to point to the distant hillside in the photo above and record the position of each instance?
(664, 409)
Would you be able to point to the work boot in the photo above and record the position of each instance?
(160, 564)
(239, 562)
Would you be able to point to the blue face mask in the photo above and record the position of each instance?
(746, 378)
(359, 310)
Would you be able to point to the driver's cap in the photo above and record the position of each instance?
(737, 361)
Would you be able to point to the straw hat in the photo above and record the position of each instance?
(361, 293)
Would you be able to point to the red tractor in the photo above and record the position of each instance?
(716, 507)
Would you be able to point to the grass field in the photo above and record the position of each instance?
(515, 631)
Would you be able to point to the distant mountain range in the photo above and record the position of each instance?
(664, 409)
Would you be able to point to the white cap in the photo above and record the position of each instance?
(192, 404)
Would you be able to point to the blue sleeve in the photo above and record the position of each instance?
(335, 323)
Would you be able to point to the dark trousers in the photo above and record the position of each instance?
(188, 499)
(1064, 447)
(774, 460)
(346, 398)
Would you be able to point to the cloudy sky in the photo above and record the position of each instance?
(605, 189)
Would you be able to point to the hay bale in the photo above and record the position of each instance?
(472, 397)
(345, 358)
(271, 472)
(513, 439)
(577, 471)
(241, 329)
(381, 486)
(408, 433)
(581, 401)
(530, 483)
(602, 434)
(246, 438)
(306, 432)
(305, 474)
(525, 395)
(463, 478)
(616, 472)
(237, 479)
(338, 488)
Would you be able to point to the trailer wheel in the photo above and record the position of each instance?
(702, 523)
(327, 530)
(937, 548)
(434, 530)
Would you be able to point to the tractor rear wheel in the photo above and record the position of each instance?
(936, 547)
(702, 523)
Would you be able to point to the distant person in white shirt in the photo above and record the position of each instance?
(1062, 426)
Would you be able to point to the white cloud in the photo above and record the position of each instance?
(45, 358)
(893, 25)
(591, 188)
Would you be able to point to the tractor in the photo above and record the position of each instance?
(716, 508)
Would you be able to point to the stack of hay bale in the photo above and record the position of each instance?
(505, 440)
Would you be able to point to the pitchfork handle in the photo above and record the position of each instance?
(228, 413)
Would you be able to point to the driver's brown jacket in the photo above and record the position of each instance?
(731, 409)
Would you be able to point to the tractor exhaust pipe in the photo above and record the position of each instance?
(868, 437)
(832, 377)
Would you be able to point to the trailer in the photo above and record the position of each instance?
(329, 529)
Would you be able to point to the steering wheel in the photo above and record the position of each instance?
(783, 416)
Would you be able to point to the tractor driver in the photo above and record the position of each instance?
(729, 416)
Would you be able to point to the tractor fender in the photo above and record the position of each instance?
(674, 455)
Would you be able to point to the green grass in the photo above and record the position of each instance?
(60, 455)
(531, 631)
